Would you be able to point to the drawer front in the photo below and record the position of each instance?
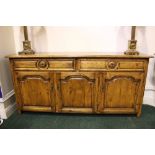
(62, 64)
(111, 64)
(84, 64)
(131, 65)
(24, 64)
(128, 65)
(44, 64)
(93, 64)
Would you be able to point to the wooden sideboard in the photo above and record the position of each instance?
(86, 83)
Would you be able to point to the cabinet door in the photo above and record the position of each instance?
(122, 92)
(77, 92)
(35, 90)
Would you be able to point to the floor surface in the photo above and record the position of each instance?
(29, 120)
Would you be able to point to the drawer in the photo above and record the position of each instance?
(92, 64)
(24, 64)
(44, 64)
(62, 65)
(125, 65)
(110, 64)
(131, 65)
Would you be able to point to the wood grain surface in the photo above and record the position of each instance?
(100, 84)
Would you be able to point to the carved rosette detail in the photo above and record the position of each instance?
(42, 64)
(112, 65)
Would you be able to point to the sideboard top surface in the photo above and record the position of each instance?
(78, 55)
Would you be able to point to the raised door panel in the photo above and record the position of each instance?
(77, 92)
(36, 91)
(122, 92)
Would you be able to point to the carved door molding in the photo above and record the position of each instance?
(36, 89)
(77, 92)
(120, 92)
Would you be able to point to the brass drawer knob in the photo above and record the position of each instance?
(112, 65)
(43, 64)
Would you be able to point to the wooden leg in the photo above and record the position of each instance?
(139, 112)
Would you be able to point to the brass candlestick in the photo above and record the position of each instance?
(132, 43)
(26, 44)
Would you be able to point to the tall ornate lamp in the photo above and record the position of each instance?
(26, 44)
(132, 43)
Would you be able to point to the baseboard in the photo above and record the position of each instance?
(11, 109)
(149, 97)
(7, 105)
(7, 96)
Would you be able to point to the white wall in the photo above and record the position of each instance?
(97, 39)
(7, 46)
(105, 39)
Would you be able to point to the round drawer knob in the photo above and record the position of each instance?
(42, 64)
(112, 65)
